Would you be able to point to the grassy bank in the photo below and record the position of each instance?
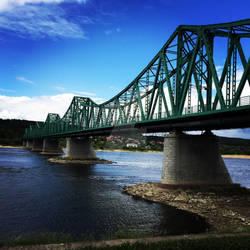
(211, 243)
(242, 242)
(36, 239)
(187, 242)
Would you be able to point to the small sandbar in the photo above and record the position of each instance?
(237, 156)
(64, 160)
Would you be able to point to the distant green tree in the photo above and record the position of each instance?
(12, 131)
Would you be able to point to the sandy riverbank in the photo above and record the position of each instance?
(223, 208)
(130, 151)
(159, 152)
(2, 146)
(237, 156)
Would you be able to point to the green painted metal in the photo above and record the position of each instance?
(182, 80)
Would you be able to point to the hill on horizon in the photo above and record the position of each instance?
(12, 131)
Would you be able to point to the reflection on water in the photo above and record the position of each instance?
(38, 196)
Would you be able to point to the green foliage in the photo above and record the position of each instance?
(242, 229)
(234, 150)
(62, 142)
(123, 234)
(123, 142)
(234, 141)
(12, 131)
(34, 239)
(155, 143)
(234, 146)
(237, 242)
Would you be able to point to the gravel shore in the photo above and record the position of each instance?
(224, 209)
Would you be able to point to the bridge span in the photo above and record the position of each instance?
(199, 80)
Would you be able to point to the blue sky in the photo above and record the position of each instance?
(54, 49)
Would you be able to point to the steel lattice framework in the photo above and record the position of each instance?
(182, 81)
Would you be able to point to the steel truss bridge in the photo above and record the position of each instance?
(198, 80)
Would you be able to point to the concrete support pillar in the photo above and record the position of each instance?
(79, 148)
(29, 144)
(51, 146)
(37, 145)
(193, 160)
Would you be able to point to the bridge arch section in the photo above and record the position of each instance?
(184, 87)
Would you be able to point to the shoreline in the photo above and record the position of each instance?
(236, 156)
(160, 152)
(223, 208)
(128, 151)
(232, 156)
(4, 146)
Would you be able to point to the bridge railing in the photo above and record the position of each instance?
(243, 101)
(60, 127)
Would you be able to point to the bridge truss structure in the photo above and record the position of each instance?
(198, 80)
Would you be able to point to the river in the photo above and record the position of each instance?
(88, 201)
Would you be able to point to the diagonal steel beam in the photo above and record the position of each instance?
(213, 71)
(241, 84)
(224, 72)
(243, 58)
(188, 77)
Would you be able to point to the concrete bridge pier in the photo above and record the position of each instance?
(29, 144)
(79, 148)
(193, 160)
(51, 146)
(37, 145)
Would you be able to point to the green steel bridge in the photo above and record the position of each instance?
(198, 80)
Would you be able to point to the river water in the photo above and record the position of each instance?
(37, 196)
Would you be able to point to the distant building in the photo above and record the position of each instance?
(132, 145)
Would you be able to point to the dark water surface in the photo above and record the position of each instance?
(38, 196)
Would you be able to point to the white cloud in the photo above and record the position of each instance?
(36, 108)
(113, 87)
(84, 93)
(7, 90)
(33, 108)
(59, 88)
(98, 99)
(39, 19)
(23, 79)
(8, 5)
(109, 32)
